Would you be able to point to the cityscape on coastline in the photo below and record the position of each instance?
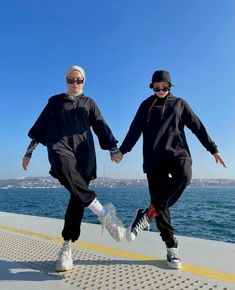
(50, 182)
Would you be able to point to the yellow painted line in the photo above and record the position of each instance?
(115, 252)
(187, 268)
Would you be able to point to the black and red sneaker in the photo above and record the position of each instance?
(141, 220)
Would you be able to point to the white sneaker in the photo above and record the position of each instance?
(173, 258)
(65, 261)
(112, 223)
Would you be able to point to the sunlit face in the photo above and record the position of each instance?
(75, 81)
(161, 89)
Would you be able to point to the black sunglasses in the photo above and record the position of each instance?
(166, 89)
(72, 81)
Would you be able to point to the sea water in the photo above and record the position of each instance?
(201, 212)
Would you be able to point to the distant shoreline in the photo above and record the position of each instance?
(49, 182)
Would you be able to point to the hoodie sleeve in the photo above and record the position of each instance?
(195, 125)
(106, 139)
(39, 129)
(134, 131)
(29, 151)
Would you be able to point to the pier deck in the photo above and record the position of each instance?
(29, 246)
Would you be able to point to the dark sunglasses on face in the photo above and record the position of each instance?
(72, 81)
(164, 89)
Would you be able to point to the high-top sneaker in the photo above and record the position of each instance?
(112, 223)
(173, 258)
(142, 219)
(65, 261)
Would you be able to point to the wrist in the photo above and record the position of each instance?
(114, 150)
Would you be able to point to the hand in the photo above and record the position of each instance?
(117, 156)
(25, 162)
(219, 159)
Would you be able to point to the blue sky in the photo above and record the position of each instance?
(119, 43)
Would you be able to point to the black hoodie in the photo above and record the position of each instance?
(64, 126)
(162, 122)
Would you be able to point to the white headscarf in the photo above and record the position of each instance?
(81, 70)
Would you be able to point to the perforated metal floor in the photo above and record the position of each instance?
(92, 271)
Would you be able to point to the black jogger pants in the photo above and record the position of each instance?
(166, 184)
(81, 196)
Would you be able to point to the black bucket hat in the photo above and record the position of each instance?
(160, 76)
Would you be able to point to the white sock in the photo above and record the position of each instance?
(97, 208)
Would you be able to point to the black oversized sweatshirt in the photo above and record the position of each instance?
(64, 126)
(162, 123)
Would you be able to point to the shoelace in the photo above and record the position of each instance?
(111, 222)
(143, 223)
(65, 248)
(108, 225)
(173, 253)
(103, 220)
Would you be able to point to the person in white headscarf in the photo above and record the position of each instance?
(64, 127)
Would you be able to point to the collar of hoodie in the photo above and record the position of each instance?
(72, 97)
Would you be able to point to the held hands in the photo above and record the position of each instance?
(219, 159)
(25, 162)
(116, 156)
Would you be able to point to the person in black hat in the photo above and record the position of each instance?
(161, 119)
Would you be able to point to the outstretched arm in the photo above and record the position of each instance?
(26, 159)
(134, 131)
(105, 136)
(132, 136)
(196, 126)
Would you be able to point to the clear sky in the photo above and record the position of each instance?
(119, 43)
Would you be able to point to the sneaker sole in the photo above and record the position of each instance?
(128, 235)
(64, 268)
(118, 237)
(174, 265)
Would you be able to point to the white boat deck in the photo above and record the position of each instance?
(29, 246)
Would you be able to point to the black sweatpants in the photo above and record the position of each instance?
(166, 184)
(81, 196)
